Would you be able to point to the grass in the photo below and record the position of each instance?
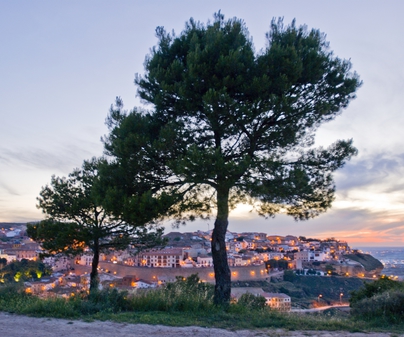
(183, 303)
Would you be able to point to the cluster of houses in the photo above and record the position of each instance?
(192, 250)
(15, 245)
(69, 284)
(183, 250)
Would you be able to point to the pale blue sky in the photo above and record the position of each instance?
(63, 64)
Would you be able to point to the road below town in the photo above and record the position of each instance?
(338, 306)
(22, 326)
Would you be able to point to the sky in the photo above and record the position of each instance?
(64, 62)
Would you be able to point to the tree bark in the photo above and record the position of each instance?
(219, 254)
(94, 265)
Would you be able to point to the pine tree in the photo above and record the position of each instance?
(230, 125)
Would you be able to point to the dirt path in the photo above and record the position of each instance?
(21, 326)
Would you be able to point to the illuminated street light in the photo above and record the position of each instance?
(340, 298)
(318, 298)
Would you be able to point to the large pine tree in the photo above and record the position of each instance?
(231, 125)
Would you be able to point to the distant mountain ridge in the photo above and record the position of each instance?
(12, 224)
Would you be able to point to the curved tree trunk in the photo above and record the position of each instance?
(219, 254)
(94, 265)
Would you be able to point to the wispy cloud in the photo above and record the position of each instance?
(63, 158)
(8, 188)
(18, 213)
(377, 169)
(363, 226)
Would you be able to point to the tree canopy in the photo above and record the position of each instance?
(23, 270)
(77, 220)
(231, 125)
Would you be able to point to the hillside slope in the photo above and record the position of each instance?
(305, 290)
(367, 261)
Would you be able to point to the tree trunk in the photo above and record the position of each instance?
(94, 265)
(219, 254)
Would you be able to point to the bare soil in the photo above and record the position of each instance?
(22, 326)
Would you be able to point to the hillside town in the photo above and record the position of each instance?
(251, 256)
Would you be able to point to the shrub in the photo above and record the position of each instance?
(380, 301)
(373, 288)
(108, 300)
(289, 275)
(251, 301)
(185, 294)
(386, 307)
(23, 270)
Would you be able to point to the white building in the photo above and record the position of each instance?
(84, 260)
(275, 255)
(57, 263)
(165, 258)
(278, 301)
(309, 255)
(142, 284)
(204, 261)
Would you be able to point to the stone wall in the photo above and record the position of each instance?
(169, 274)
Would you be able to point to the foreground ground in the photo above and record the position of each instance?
(22, 326)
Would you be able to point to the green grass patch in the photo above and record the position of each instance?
(183, 303)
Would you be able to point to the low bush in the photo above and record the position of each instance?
(109, 300)
(371, 289)
(250, 301)
(186, 294)
(386, 307)
(381, 301)
(183, 295)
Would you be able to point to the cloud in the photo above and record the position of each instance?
(381, 169)
(19, 213)
(64, 158)
(4, 159)
(9, 189)
(361, 227)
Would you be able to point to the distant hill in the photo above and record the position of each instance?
(8, 225)
(367, 261)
